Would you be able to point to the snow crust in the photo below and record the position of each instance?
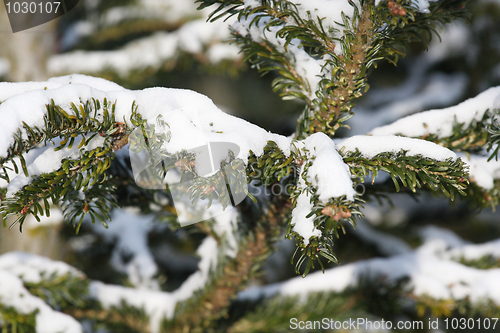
(169, 11)
(31, 266)
(440, 122)
(371, 146)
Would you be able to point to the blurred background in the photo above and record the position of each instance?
(148, 43)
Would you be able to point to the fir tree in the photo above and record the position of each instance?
(102, 153)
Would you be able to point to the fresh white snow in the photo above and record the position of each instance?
(370, 146)
(16, 267)
(328, 174)
(440, 122)
(193, 120)
(431, 269)
(482, 172)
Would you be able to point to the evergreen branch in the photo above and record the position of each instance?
(199, 313)
(272, 166)
(470, 136)
(89, 118)
(336, 94)
(222, 9)
(274, 315)
(413, 172)
(11, 321)
(264, 56)
(373, 33)
(69, 293)
(370, 297)
(328, 219)
(122, 318)
(485, 262)
(484, 198)
(494, 136)
(466, 137)
(399, 24)
(76, 175)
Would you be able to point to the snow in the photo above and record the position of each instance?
(156, 304)
(423, 5)
(171, 12)
(306, 66)
(328, 10)
(152, 51)
(10, 89)
(15, 266)
(94, 82)
(422, 88)
(159, 305)
(440, 122)
(475, 251)
(386, 244)
(192, 118)
(220, 52)
(371, 146)
(46, 161)
(456, 38)
(129, 230)
(328, 172)
(165, 10)
(226, 225)
(252, 3)
(482, 172)
(432, 233)
(30, 266)
(431, 270)
(301, 224)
